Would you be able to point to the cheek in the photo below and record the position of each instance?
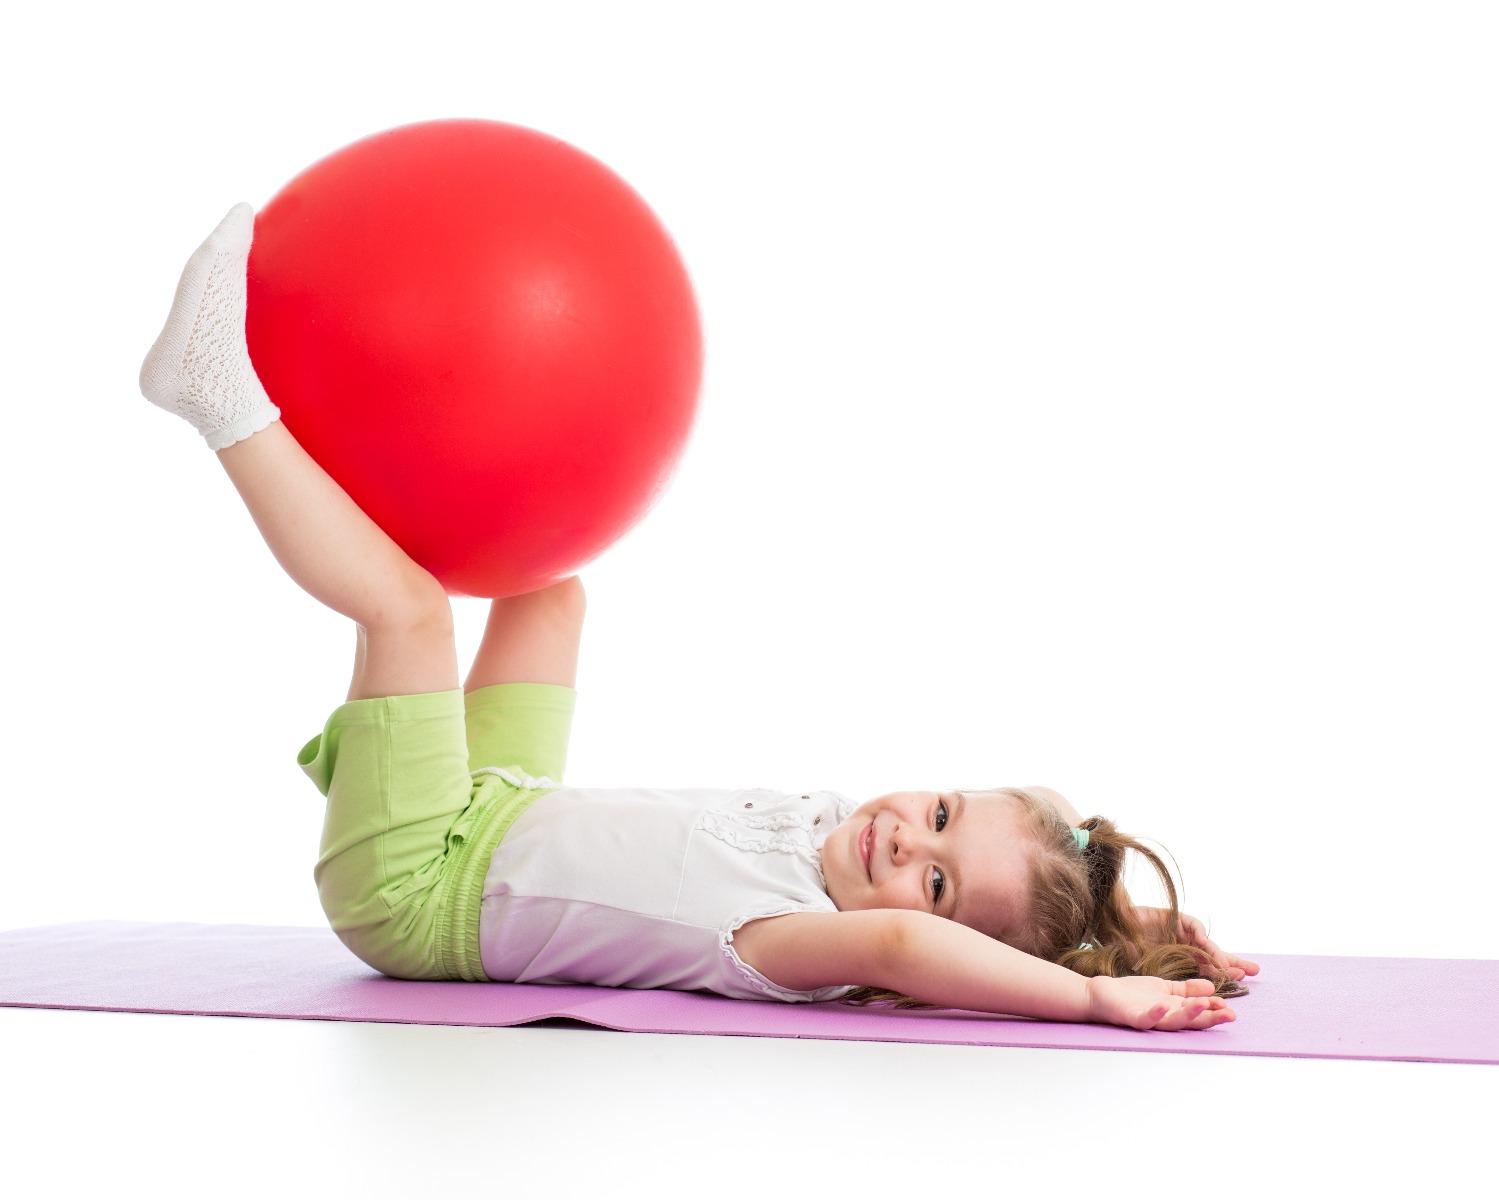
(903, 890)
(840, 859)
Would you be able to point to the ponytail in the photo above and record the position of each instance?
(1083, 919)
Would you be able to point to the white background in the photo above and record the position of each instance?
(1096, 395)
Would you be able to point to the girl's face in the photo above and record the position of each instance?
(961, 855)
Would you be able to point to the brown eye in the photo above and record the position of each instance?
(939, 885)
(941, 815)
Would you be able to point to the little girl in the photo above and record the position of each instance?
(451, 851)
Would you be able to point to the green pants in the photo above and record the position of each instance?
(410, 828)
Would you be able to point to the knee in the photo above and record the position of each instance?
(566, 600)
(417, 605)
(559, 606)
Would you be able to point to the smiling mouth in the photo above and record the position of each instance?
(866, 850)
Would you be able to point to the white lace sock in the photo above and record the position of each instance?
(200, 367)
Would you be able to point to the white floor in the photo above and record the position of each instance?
(199, 1106)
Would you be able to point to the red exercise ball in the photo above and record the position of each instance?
(486, 337)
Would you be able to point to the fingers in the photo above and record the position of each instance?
(1216, 1013)
(1196, 934)
(1200, 939)
(1154, 1017)
(1235, 967)
(1195, 1013)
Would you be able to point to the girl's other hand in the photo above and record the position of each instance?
(1145, 1002)
(1194, 933)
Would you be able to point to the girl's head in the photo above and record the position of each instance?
(1005, 862)
(961, 855)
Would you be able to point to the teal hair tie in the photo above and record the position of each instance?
(1080, 836)
(1086, 945)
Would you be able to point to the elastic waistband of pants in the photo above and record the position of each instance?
(462, 886)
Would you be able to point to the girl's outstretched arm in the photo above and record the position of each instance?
(952, 966)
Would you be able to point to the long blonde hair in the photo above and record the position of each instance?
(1077, 897)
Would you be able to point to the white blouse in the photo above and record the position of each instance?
(644, 889)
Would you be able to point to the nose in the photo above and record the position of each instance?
(906, 843)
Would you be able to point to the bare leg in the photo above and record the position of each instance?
(200, 369)
(335, 553)
(532, 638)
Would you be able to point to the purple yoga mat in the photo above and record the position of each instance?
(1432, 1010)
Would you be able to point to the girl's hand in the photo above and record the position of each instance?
(1193, 933)
(1145, 1002)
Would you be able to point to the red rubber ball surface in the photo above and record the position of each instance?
(486, 337)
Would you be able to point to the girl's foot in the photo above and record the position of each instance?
(200, 367)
